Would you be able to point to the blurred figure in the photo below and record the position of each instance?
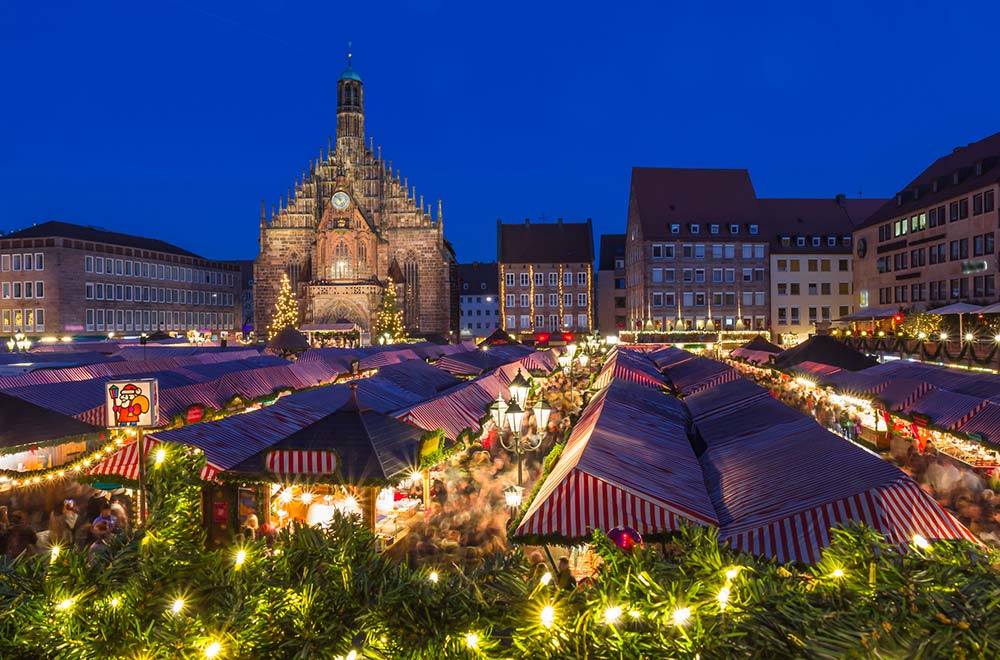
(565, 579)
(64, 526)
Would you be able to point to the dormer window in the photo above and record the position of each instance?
(753, 230)
(713, 229)
(695, 228)
(482, 286)
(786, 241)
(846, 239)
(831, 241)
(675, 229)
(465, 286)
(800, 241)
(734, 229)
(979, 168)
(816, 241)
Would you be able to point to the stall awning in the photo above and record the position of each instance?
(124, 463)
(869, 314)
(956, 308)
(301, 462)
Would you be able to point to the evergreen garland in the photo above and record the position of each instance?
(323, 593)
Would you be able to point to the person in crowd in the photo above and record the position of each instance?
(107, 517)
(65, 525)
(120, 514)
(20, 538)
(440, 492)
(4, 520)
(251, 527)
(564, 578)
(99, 531)
(538, 568)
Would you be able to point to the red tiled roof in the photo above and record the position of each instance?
(553, 242)
(666, 195)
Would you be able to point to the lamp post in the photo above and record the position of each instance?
(19, 343)
(519, 388)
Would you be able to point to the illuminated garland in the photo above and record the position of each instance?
(16, 478)
(531, 294)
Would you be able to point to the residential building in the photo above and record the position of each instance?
(478, 299)
(810, 261)
(934, 243)
(546, 277)
(66, 279)
(349, 225)
(696, 256)
(611, 308)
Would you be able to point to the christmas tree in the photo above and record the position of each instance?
(390, 319)
(286, 310)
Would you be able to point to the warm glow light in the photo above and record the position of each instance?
(548, 616)
(306, 497)
(212, 650)
(546, 578)
(472, 640)
(352, 655)
(416, 477)
(732, 573)
(943, 336)
(286, 496)
(55, 552)
(921, 335)
(65, 604)
(805, 382)
(241, 556)
(612, 614)
(114, 602)
(723, 597)
(433, 577)
(838, 573)
(681, 616)
(635, 614)
(920, 542)
(177, 606)
(968, 336)
(161, 454)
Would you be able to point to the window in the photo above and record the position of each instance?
(717, 275)
(795, 314)
(539, 300)
(782, 265)
(843, 265)
(581, 300)
(747, 298)
(668, 251)
(793, 265)
(675, 229)
(699, 274)
(753, 230)
(687, 250)
(782, 289)
(695, 228)
(508, 279)
(5, 263)
(812, 314)
(816, 241)
(668, 275)
(525, 280)
(813, 265)
(17, 290)
(28, 263)
(988, 201)
(831, 241)
(567, 278)
(554, 299)
(844, 288)
(699, 251)
(747, 251)
(128, 271)
(119, 267)
(758, 251)
(567, 300)
(794, 288)
(800, 241)
(713, 229)
(689, 275)
(824, 265)
(730, 274)
(39, 265)
(509, 300)
(824, 288)
(657, 275)
(39, 289)
(567, 320)
(977, 204)
(730, 251)
(734, 229)
(581, 278)
(6, 290)
(657, 251)
(539, 320)
(963, 208)
(525, 321)
(16, 261)
(539, 279)
(748, 274)
(813, 290)
(782, 316)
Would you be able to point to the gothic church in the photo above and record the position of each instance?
(348, 226)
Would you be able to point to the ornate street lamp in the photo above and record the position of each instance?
(18, 343)
(571, 350)
(563, 360)
(519, 388)
(513, 496)
(584, 359)
(498, 412)
(542, 412)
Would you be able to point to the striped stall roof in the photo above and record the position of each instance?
(813, 370)
(948, 410)
(691, 376)
(631, 367)
(902, 393)
(628, 462)
(755, 357)
(124, 463)
(301, 461)
(986, 422)
(418, 377)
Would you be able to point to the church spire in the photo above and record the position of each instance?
(350, 112)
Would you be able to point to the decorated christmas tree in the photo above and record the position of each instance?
(286, 310)
(390, 318)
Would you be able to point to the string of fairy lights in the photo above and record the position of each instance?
(16, 478)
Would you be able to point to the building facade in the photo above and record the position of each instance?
(696, 257)
(58, 278)
(810, 261)
(935, 242)
(479, 299)
(546, 277)
(347, 226)
(611, 291)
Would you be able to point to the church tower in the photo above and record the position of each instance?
(350, 114)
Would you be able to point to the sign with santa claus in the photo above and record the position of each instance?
(131, 403)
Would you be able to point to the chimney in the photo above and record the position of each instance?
(842, 200)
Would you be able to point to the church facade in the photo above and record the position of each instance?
(349, 226)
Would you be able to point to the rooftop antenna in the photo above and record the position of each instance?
(349, 55)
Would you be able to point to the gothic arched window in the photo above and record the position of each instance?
(341, 266)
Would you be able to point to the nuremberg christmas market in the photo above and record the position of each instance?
(750, 417)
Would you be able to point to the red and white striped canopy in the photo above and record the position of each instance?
(124, 463)
(299, 462)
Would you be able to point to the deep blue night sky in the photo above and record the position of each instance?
(174, 121)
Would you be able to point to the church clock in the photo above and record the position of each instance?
(340, 200)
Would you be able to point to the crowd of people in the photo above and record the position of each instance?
(65, 526)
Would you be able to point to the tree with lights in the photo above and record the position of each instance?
(389, 321)
(922, 324)
(286, 310)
